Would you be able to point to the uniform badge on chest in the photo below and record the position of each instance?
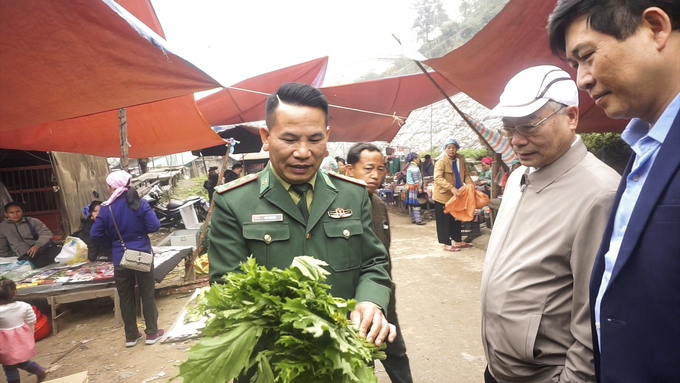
(340, 213)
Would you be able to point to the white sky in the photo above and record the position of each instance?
(235, 40)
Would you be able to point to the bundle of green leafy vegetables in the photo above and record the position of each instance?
(278, 326)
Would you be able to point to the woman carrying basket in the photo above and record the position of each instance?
(123, 223)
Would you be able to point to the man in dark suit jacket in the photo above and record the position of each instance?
(628, 59)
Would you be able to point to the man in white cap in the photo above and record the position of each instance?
(534, 293)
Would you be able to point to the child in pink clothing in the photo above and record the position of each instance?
(16, 335)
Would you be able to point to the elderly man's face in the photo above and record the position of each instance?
(550, 141)
(14, 213)
(618, 75)
(297, 142)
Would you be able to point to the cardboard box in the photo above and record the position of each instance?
(80, 377)
(185, 237)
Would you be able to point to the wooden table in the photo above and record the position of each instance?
(59, 294)
(56, 300)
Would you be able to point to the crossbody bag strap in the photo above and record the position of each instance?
(118, 231)
(34, 233)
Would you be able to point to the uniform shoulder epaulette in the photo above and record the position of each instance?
(236, 183)
(347, 178)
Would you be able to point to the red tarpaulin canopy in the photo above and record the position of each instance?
(396, 96)
(514, 40)
(157, 128)
(68, 58)
(164, 127)
(233, 106)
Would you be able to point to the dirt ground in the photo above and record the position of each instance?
(437, 304)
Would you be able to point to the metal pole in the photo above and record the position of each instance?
(122, 126)
(431, 143)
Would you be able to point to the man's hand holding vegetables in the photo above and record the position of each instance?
(372, 324)
(267, 215)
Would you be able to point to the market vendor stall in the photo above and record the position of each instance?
(59, 284)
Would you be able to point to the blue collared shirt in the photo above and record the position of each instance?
(645, 143)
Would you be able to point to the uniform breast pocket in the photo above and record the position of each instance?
(343, 244)
(267, 240)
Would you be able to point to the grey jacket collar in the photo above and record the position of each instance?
(543, 177)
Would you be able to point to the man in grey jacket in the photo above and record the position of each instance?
(27, 238)
(534, 293)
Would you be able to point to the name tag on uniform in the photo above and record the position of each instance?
(267, 217)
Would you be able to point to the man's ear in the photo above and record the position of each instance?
(350, 170)
(572, 114)
(328, 133)
(264, 136)
(659, 23)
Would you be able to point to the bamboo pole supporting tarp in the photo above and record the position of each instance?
(190, 270)
(122, 127)
(481, 138)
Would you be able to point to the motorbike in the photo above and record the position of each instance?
(169, 214)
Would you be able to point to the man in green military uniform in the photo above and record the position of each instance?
(291, 208)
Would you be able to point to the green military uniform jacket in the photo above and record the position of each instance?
(381, 225)
(256, 216)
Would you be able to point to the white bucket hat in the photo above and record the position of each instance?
(532, 88)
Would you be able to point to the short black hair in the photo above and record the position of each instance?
(617, 18)
(427, 156)
(213, 168)
(236, 166)
(354, 153)
(93, 204)
(7, 290)
(10, 204)
(340, 159)
(294, 93)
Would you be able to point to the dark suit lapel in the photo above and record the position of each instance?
(324, 195)
(598, 267)
(665, 165)
(278, 195)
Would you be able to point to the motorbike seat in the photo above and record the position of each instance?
(174, 204)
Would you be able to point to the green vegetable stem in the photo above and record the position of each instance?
(278, 326)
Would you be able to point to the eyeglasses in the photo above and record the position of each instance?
(528, 129)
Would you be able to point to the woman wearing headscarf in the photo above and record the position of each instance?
(450, 174)
(135, 220)
(414, 185)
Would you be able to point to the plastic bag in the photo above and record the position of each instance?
(463, 207)
(73, 251)
(201, 265)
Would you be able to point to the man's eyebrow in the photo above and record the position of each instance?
(317, 135)
(288, 135)
(575, 50)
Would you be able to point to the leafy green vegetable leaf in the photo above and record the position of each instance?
(224, 355)
(284, 323)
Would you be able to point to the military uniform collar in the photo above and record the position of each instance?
(268, 172)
